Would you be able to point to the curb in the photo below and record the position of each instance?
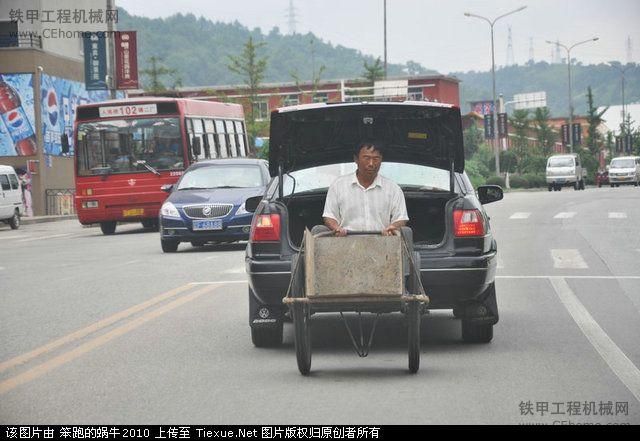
(42, 219)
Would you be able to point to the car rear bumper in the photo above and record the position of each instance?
(561, 180)
(447, 280)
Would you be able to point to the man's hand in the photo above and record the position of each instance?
(390, 230)
(340, 232)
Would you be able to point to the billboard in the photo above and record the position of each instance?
(95, 60)
(530, 100)
(17, 116)
(482, 107)
(126, 60)
(58, 100)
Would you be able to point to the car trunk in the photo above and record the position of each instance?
(426, 213)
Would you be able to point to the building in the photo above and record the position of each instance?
(42, 62)
(434, 88)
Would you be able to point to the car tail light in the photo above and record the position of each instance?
(468, 223)
(265, 228)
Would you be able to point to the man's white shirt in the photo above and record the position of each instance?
(356, 208)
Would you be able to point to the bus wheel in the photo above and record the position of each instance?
(108, 227)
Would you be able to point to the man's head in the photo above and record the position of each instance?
(368, 157)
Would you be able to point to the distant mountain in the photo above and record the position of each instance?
(605, 81)
(198, 49)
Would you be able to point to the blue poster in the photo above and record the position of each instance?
(17, 117)
(59, 98)
(95, 60)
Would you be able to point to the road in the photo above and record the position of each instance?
(109, 330)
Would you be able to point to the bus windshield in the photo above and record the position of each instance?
(126, 145)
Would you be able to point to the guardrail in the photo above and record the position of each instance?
(60, 201)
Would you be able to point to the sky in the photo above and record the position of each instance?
(436, 33)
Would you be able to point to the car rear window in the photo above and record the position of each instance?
(405, 175)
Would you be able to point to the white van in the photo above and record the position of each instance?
(11, 206)
(565, 170)
(624, 170)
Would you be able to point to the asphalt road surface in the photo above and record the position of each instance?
(109, 330)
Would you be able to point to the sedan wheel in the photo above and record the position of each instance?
(169, 246)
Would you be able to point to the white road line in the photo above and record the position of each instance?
(239, 270)
(218, 282)
(520, 215)
(568, 259)
(565, 215)
(11, 237)
(619, 363)
(572, 277)
(617, 215)
(53, 236)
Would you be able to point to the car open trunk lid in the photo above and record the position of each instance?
(311, 135)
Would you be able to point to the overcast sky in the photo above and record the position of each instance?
(436, 33)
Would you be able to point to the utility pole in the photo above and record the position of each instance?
(568, 49)
(385, 39)
(111, 84)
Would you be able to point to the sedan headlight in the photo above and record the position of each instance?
(242, 210)
(170, 210)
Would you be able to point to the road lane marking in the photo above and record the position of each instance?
(12, 237)
(617, 215)
(20, 359)
(568, 259)
(619, 363)
(53, 236)
(221, 282)
(98, 341)
(565, 215)
(572, 277)
(520, 215)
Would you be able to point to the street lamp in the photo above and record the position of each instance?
(493, 77)
(622, 71)
(568, 49)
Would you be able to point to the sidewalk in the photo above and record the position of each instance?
(24, 220)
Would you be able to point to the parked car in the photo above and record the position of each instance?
(207, 204)
(602, 177)
(565, 171)
(311, 145)
(624, 170)
(11, 206)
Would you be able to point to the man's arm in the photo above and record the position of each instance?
(334, 226)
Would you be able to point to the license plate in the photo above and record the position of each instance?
(133, 212)
(214, 224)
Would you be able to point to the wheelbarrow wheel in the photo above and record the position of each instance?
(302, 337)
(413, 322)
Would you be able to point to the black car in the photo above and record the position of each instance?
(311, 145)
(207, 204)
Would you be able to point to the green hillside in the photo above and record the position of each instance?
(198, 49)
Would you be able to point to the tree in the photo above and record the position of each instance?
(472, 139)
(315, 76)
(594, 119)
(155, 72)
(374, 71)
(252, 69)
(545, 135)
(520, 123)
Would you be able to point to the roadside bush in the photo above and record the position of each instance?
(517, 181)
(476, 172)
(495, 180)
(536, 180)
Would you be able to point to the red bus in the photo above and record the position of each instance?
(126, 150)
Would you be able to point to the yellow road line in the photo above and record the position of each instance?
(98, 341)
(90, 329)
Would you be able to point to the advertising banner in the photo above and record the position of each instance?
(17, 116)
(482, 107)
(95, 60)
(577, 134)
(489, 131)
(126, 60)
(503, 125)
(565, 134)
(58, 101)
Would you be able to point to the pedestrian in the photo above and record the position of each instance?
(364, 200)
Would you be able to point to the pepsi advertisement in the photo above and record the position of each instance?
(17, 117)
(59, 98)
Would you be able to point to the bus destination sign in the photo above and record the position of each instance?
(129, 110)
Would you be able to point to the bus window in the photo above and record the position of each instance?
(233, 147)
(240, 138)
(222, 141)
(209, 141)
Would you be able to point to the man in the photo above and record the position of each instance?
(365, 200)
